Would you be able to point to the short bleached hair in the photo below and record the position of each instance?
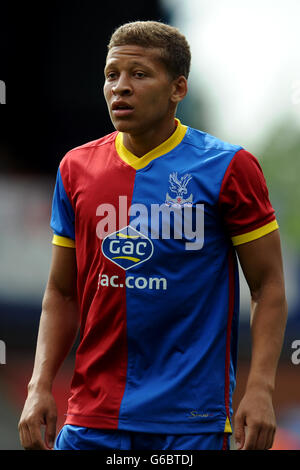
(174, 49)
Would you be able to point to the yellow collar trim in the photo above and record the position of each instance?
(140, 162)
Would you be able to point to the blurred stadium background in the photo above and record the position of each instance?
(244, 88)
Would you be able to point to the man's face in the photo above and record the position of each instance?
(137, 89)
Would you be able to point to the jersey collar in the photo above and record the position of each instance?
(140, 162)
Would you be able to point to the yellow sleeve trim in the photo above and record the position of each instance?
(258, 233)
(63, 241)
(227, 427)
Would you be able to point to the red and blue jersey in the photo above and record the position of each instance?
(158, 283)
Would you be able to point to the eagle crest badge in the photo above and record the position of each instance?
(178, 186)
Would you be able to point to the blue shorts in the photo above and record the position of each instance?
(79, 438)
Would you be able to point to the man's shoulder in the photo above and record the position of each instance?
(205, 141)
(82, 150)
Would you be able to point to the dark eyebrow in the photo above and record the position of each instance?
(136, 62)
(131, 64)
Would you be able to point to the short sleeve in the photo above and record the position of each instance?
(244, 200)
(62, 216)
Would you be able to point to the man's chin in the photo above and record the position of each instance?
(125, 126)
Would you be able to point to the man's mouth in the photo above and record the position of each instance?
(121, 108)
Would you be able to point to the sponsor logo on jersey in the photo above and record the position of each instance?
(133, 282)
(127, 247)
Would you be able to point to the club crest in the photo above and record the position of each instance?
(178, 186)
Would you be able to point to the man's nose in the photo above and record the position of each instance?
(122, 86)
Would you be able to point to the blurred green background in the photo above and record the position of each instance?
(244, 88)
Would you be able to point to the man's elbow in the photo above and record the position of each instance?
(55, 293)
(272, 291)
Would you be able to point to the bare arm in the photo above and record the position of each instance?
(261, 262)
(57, 332)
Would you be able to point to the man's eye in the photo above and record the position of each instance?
(111, 76)
(139, 74)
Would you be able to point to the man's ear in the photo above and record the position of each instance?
(180, 89)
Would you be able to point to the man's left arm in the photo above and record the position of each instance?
(261, 262)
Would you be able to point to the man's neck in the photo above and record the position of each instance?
(143, 143)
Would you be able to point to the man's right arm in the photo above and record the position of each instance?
(58, 328)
